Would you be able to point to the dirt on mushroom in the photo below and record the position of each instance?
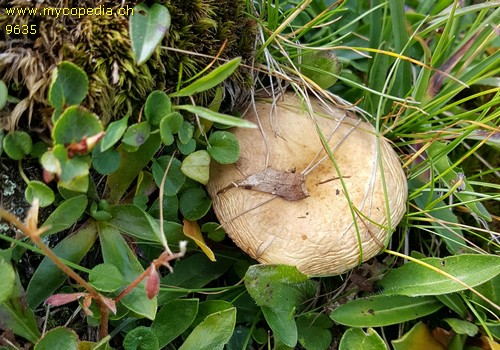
(286, 201)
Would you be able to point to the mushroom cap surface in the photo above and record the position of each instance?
(340, 220)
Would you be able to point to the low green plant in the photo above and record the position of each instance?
(82, 150)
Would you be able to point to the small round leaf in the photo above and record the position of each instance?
(174, 121)
(51, 163)
(166, 134)
(106, 278)
(58, 338)
(157, 107)
(17, 144)
(75, 124)
(137, 134)
(170, 125)
(74, 171)
(223, 147)
(197, 166)
(321, 67)
(214, 231)
(194, 203)
(69, 85)
(186, 132)
(186, 148)
(141, 338)
(41, 191)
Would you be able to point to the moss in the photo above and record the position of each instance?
(101, 46)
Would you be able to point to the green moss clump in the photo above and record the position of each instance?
(101, 46)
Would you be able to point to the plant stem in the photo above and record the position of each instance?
(34, 235)
(21, 172)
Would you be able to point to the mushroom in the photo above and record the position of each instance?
(284, 202)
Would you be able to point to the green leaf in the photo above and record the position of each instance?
(148, 26)
(278, 286)
(216, 117)
(413, 279)
(157, 107)
(194, 203)
(173, 319)
(105, 278)
(74, 171)
(186, 148)
(279, 290)
(174, 121)
(197, 166)
(210, 80)
(114, 132)
(134, 221)
(16, 316)
(282, 324)
(209, 307)
(214, 231)
(383, 310)
(356, 339)
(41, 191)
(97, 214)
(105, 162)
(69, 86)
(4, 93)
(51, 163)
(171, 124)
(166, 135)
(65, 215)
(175, 178)
(137, 134)
(75, 124)
(47, 277)
(58, 338)
(17, 144)
(186, 132)
(322, 67)
(462, 326)
(115, 251)
(223, 147)
(314, 331)
(7, 281)
(260, 335)
(212, 333)
(131, 164)
(170, 208)
(141, 338)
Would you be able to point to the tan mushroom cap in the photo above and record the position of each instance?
(319, 234)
